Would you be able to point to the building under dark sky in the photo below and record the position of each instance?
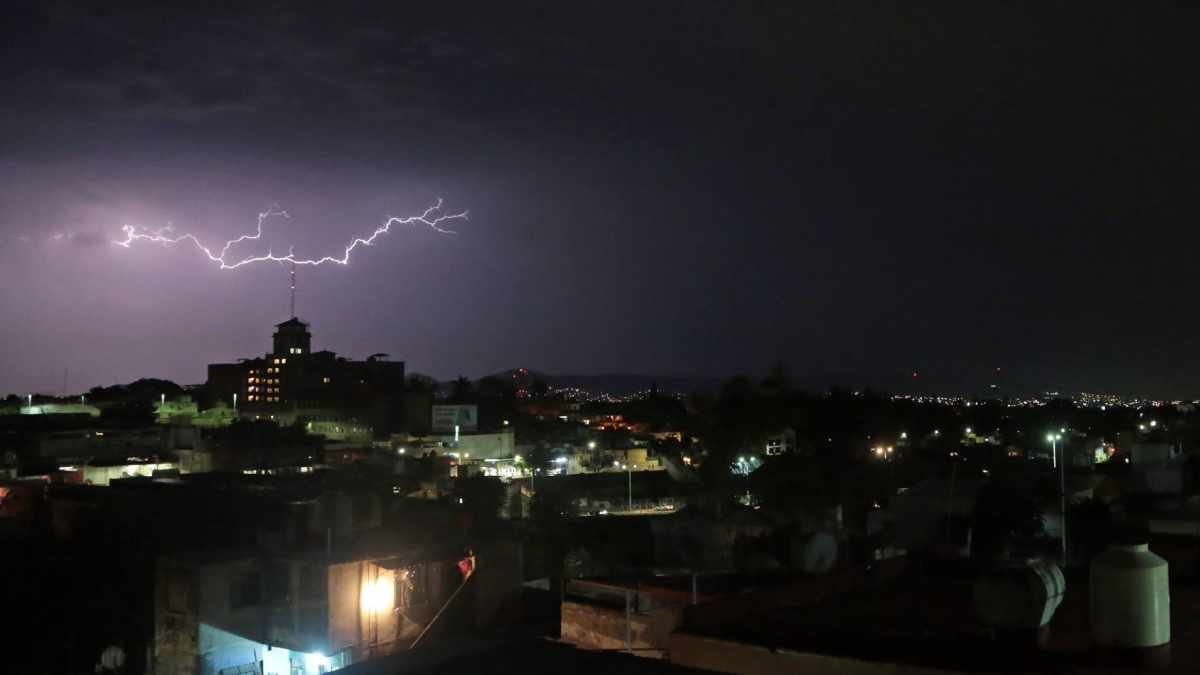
(670, 188)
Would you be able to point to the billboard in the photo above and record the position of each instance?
(446, 417)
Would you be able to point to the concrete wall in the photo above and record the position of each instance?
(499, 574)
(745, 659)
(176, 630)
(345, 629)
(481, 446)
(593, 626)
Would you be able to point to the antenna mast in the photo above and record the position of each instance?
(293, 305)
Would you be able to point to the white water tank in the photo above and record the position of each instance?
(1020, 595)
(1130, 598)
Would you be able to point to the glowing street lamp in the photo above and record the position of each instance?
(1053, 440)
(629, 474)
(1062, 490)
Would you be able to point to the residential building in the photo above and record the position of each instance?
(292, 614)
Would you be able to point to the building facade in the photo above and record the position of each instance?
(294, 384)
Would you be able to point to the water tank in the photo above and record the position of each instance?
(1019, 595)
(1130, 598)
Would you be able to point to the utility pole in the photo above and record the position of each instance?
(629, 473)
(1062, 486)
(1062, 504)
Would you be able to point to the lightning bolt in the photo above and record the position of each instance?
(432, 217)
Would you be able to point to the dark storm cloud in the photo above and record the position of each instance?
(669, 186)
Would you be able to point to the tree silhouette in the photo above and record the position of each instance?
(461, 391)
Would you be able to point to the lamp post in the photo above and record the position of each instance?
(629, 474)
(1062, 490)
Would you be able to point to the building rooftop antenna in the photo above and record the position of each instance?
(292, 307)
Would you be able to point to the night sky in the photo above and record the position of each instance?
(698, 188)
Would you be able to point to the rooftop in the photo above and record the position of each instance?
(912, 614)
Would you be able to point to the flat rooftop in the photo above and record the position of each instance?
(909, 614)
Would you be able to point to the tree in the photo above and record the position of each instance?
(129, 414)
(492, 387)
(421, 384)
(461, 390)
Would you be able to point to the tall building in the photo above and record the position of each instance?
(293, 383)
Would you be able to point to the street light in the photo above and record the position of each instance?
(1062, 489)
(629, 473)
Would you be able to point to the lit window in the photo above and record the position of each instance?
(326, 380)
(283, 361)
